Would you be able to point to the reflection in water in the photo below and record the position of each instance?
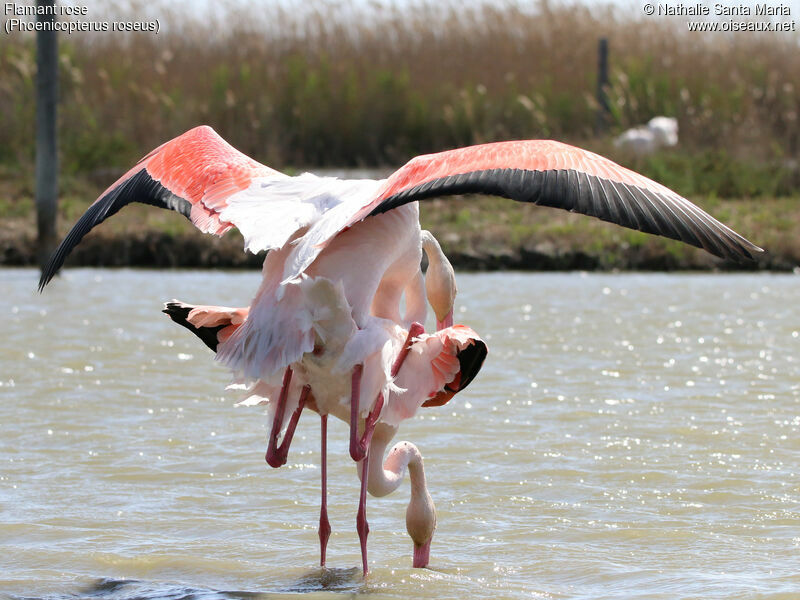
(333, 580)
(131, 589)
(629, 436)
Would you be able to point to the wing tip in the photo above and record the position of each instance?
(753, 252)
(51, 268)
(737, 247)
(44, 279)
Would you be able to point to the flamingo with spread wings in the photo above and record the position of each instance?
(343, 254)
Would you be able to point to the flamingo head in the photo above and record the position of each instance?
(420, 524)
(440, 281)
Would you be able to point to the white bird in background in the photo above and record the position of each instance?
(660, 132)
(325, 329)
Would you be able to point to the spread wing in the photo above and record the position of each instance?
(550, 173)
(201, 176)
(547, 173)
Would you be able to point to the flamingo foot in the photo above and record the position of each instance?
(361, 518)
(422, 555)
(276, 455)
(283, 449)
(279, 456)
(358, 447)
(277, 420)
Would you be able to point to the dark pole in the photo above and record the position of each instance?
(602, 85)
(46, 149)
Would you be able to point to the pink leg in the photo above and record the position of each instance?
(276, 455)
(414, 331)
(359, 449)
(358, 446)
(448, 322)
(277, 421)
(356, 453)
(324, 523)
(361, 519)
(283, 449)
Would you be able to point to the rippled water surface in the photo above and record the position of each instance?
(630, 436)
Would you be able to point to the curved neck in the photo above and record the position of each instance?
(440, 280)
(385, 476)
(416, 306)
(436, 258)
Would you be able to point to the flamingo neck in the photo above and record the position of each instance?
(440, 280)
(385, 476)
(416, 305)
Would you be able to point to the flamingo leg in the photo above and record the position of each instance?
(361, 518)
(414, 331)
(283, 449)
(358, 446)
(277, 420)
(276, 455)
(324, 523)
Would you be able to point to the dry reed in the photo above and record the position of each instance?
(373, 84)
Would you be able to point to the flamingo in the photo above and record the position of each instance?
(344, 253)
(428, 370)
(341, 344)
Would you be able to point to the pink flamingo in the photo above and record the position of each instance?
(373, 349)
(427, 371)
(354, 247)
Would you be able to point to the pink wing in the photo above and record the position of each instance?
(212, 324)
(454, 368)
(550, 173)
(193, 174)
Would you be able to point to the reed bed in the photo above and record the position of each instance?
(369, 84)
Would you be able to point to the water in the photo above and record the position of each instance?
(630, 436)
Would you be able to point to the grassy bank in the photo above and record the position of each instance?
(478, 233)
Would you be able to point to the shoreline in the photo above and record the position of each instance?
(154, 249)
(477, 233)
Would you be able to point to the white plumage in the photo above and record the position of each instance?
(660, 132)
